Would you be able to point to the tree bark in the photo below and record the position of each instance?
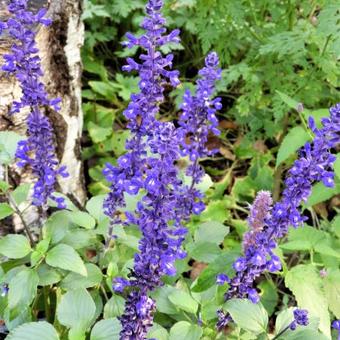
(59, 46)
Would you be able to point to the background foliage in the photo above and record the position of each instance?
(280, 64)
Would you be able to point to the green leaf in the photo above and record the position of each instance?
(247, 315)
(295, 139)
(74, 280)
(22, 289)
(97, 133)
(114, 307)
(320, 193)
(332, 289)
(204, 251)
(65, 257)
(34, 330)
(163, 304)
(309, 293)
(57, 226)
(83, 219)
(158, 332)
(20, 194)
(118, 141)
(208, 276)
(216, 211)
(212, 231)
(184, 330)
(106, 330)
(76, 310)
(5, 210)
(269, 296)
(47, 275)
(184, 301)
(8, 145)
(95, 205)
(15, 246)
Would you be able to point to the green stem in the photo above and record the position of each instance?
(282, 332)
(46, 291)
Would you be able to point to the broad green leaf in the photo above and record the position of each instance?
(216, 211)
(118, 141)
(247, 315)
(97, 133)
(114, 307)
(295, 138)
(8, 145)
(332, 290)
(65, 257)
(82, 219)
(269, 296)
(212, 231)
(304, 334)
(163, 304)
(95, 207)
(184, 330)
(74, 280)
(34, 330)
(76, 310)
(309, 293)
(5, 210)
(325, 249)
(204, 251)
(184, 301)
(208, 276)
(14, 320)
(158, 332)
(14, 246)
(106, 330)
(47, 275)
(79, 238)
(320, 193)
(22, 289)
(106, 89)
(20, 194)
(57, 226)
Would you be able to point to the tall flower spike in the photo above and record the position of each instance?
(315, 164)
(23, 62)
(159, 215)
(197, 121)
(155, 72)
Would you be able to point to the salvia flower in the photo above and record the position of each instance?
(150, 167)
(300, 318)
(155, 72)
(23, 62)
(197, 121)
(315, 164)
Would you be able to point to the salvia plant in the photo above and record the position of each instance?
(118, 268)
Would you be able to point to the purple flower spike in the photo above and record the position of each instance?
(23, 62)
(268, 225)
(150, 168)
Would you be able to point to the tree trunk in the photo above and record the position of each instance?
(59, 46)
